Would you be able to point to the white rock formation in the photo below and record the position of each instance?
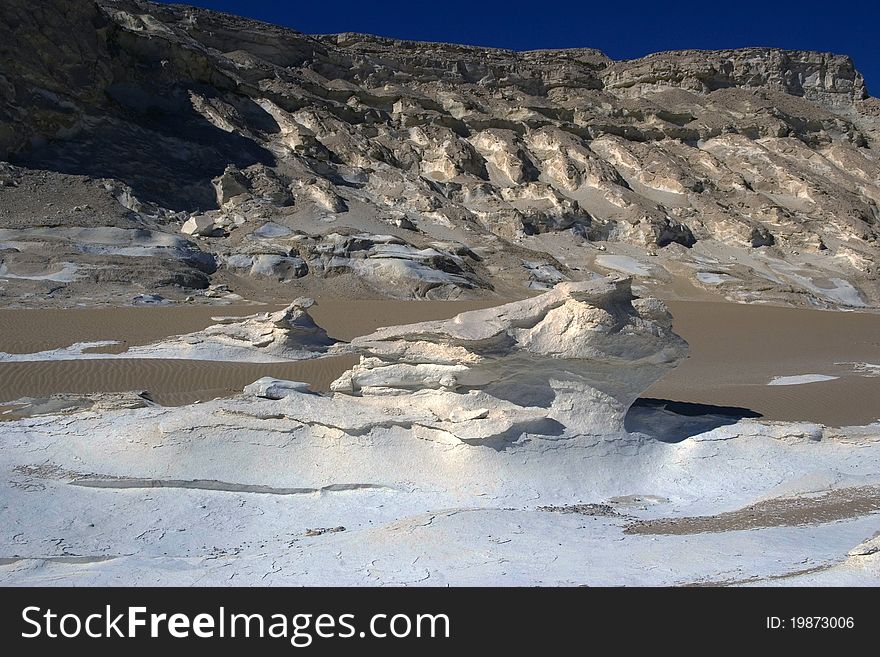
(270, 388)
(281, 265)
(458, 451)
(289, 334)
(202, 225)
(581, 352)
(390, 263)
(285, 335)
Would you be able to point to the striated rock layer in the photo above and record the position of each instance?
(374, 166)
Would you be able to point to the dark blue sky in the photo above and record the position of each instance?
(621, 28)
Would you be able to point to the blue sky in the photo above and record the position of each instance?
(621, 29)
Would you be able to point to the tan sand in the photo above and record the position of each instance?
(345, 320)
(735, 351)
(36, 329)
(779, 512)
(170, 382)
(29, 330)
(177, 382)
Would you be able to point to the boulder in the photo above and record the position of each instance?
(201, 225)
(230, 185)
(271, 388)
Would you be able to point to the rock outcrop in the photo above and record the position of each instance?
(453, 453)
(575, 357)
(830, 80)
(288, 334)
(757, 165)
(557, 371)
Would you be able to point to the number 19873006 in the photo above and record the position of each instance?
(811, 623)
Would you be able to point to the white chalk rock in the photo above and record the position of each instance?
(202, 225)
(582, 351)
(271, 388)
(288, 334)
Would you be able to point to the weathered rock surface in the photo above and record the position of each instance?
(450, 455)
(270, 388)
(201, 225)
(742, 173)
(575, 357)
(289, 334)
(276, 337)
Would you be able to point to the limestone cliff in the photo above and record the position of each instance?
(751, 173)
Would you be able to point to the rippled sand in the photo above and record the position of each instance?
(29, 330)
(736, 350)
(176, 382)
(170, 382)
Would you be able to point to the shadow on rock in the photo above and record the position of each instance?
(505, 439)
(158, 145)
(673, 421)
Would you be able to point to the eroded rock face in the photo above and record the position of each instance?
(829, 79)
(391, 263)
(582, 351)
(104, 256)
(760, 156)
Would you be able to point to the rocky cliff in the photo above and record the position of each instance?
(364, 165)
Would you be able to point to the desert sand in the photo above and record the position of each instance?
(736, 351)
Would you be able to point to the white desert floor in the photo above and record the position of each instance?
(117, 502)
(485, 450)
